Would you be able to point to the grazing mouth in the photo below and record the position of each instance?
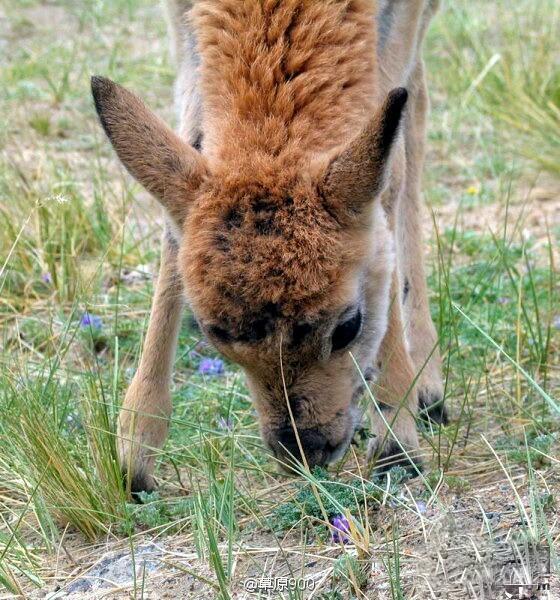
(329, 453)
(356, 414)
(332, 453)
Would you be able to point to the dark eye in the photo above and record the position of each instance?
(346, 332)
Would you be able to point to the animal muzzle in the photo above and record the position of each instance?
(317, 448)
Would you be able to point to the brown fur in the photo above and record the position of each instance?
(270, 71)
(282, 244)
(279, 237)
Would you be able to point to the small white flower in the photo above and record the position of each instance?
(526, 234)
(58, 198)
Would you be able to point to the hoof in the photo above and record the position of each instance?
(392, 456)
(432, 408)
(139, 483)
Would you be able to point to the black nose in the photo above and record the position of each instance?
(315, 445)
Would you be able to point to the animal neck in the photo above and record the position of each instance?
(284, 80)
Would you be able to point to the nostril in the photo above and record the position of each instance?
(312, 441)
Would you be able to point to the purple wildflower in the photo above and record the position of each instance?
(91, 321)
(46, 278)
(211, 366)
(341, 529)
(421, 507)
(556, 322)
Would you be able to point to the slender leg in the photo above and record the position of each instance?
(144, 418)
(395, 394)
(143, 422)
(402, 27)
(175, 11)
(188, 101)
(399, 28)
(419, 328)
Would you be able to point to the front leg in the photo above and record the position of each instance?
(396, 437)
(144, 417)
(418, 324)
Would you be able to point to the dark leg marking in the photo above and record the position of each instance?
(255, 331)
(138, 484)
(263, 205)
(391, 456)
(432, 408)
(406, 289)
(358, 392)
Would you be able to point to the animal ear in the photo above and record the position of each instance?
(164, 164)
(358, 174)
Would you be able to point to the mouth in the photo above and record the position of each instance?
(329, 452)
(356, 416)
(285, 451)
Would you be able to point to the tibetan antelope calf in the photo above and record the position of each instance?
(292, 199)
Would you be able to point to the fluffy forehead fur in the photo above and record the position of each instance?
(285, 84)
(255, 255)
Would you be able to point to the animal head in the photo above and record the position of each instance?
(286, 268)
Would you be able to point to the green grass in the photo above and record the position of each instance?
(77, 235)
(510, 74)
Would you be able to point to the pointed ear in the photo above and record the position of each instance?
(355, 177)
(153, 154)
